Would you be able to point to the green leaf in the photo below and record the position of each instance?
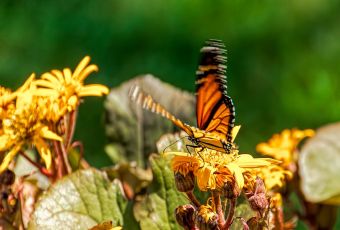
(133, 131)
(79, 201)
(156, 210)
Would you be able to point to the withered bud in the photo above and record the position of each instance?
(258, 202)
(257, 198)
(185, 216)
(7, 177)
(206, 219)
(230, 190)
(260, 188)
(185, 183)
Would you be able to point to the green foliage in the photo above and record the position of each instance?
(282, 58)
(156, 210)
(87, 198)
(79, 201)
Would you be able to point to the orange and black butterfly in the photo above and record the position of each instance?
(215, 111)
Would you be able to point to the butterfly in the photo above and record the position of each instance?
(215, 111)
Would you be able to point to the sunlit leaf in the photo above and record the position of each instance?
(79, 201)
(156, 210)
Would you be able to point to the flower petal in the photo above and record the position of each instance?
(93, 90)
(50, 77)
(59, 75)
(86, 72)
(48, 134)
(44, 151)
(67, 75)
(80, 67)
(237, 171)
(9, 157)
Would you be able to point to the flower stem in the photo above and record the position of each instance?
(21, 204)
(39, 167)
(71, 127)
(230, 217)
(219, 210)
(60, 160)
(65, 158)
(193, 199)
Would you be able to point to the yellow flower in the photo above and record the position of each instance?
(282, 146)
(207, 213)
(183, 164)
(22, 125)
(213, 169)
(276, 200)
(274, 176)
(64, 88)
(7, 97)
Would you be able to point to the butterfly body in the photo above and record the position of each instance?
(215, 111)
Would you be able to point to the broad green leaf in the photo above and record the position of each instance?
(156, 210)
(79, 201)
(133, 131)
(319, 165)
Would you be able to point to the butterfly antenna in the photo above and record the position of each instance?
(142, 98)
(175, 143)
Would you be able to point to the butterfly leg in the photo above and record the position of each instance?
(190, 146)
(198, 149)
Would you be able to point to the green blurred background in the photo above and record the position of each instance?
(283, 59)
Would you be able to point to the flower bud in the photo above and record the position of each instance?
(185, 216)
(7, 177)
(230, 190)
(185, 183)
(258, 202)
(206, 218)
(257, 199)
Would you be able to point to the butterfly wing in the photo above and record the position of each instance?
(215, 110)
(140, 97)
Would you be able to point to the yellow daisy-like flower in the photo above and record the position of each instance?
(282, 146)
(184, 164)
(64, 88)
(274, 176)
(22, 126)
(213, 169)
(207, 213)
(7, 97)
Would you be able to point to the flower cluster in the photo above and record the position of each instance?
(224, 176)
(41, 114)
(282, 147)
(227, 176)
